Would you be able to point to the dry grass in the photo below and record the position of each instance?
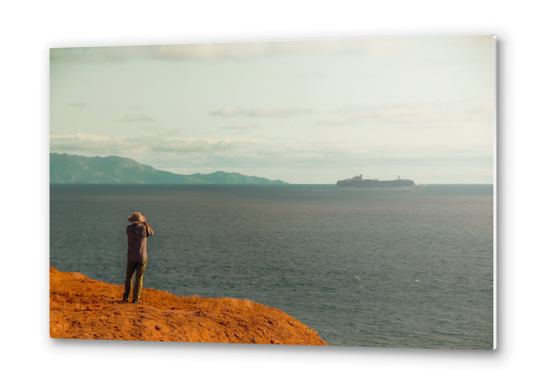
(89, 309)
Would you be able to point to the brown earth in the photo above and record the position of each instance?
(82, 308)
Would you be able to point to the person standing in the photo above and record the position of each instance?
(137, 255)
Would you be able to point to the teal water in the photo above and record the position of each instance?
(362, 268)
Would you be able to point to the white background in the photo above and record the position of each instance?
(28, 29)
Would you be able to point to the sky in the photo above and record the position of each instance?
(305, 112)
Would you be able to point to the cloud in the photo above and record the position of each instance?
(241, 127)
(441, 51)
(409, 113)
(85, 144)
(152, 129)
(132, 117)
(203, 146)
(235, 51)
(261, 112)
(391, 52)
(100, 145)
(161, 131)
(83, 137)
(481, 112)
(173, 132)
(162, 151)
(404, 114)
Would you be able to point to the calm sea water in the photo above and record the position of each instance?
(362, 268)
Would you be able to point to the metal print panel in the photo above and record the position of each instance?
(320, 192)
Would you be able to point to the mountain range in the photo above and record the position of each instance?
(73, 169)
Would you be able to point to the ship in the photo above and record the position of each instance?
(398, 184)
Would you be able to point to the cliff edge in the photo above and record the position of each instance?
(82, 308)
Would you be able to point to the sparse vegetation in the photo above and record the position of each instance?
(83, 308)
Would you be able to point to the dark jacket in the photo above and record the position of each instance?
(137, 241)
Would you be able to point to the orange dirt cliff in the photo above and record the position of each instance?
(82, 308)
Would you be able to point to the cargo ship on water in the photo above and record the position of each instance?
(398, 184)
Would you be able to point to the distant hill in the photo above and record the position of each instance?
(73, 169)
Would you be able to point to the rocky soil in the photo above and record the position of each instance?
(82, 308)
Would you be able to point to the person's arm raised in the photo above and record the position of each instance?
(150, 232)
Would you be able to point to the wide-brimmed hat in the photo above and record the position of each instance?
(137, 218)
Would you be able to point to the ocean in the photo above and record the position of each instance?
(397, 269)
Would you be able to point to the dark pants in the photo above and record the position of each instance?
(139, 269)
